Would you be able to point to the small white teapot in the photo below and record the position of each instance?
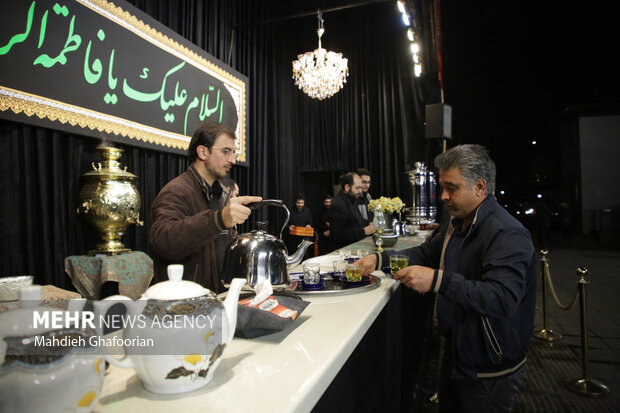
(174, 335)
(44, 367)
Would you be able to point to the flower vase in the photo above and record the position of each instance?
(389, 217)
(379, 221)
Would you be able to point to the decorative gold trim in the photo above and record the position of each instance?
(151, 35)
(145, 31)
(84, 120)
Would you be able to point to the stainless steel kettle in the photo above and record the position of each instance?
(258, 255)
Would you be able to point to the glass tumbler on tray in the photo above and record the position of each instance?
(340, 268)
(353, 273)
(312, 273)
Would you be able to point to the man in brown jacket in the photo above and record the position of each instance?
(193, 214)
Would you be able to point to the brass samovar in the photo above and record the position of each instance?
(110, 201)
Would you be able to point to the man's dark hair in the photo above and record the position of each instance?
(299, 196)
(347, 179)
(363, 171)
(205, 135)
(473, 161)
(327, 196)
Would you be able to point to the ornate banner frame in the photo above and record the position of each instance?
(94, 68)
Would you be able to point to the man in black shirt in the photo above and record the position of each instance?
(324, 229)
(300, 217)
(346, 221)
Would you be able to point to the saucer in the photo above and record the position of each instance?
(313, 287)
(365, 280)
(388, 272)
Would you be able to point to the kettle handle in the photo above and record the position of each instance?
(274, 202)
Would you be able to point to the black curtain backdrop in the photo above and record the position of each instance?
(296, 144)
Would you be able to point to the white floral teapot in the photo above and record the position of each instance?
(174, 335)
(44, 367)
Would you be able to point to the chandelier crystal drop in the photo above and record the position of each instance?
(320, 74)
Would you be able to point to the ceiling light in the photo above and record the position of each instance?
(406, 19)
(320, 74)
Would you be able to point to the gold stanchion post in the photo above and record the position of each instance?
(584, 385)
(546, 333)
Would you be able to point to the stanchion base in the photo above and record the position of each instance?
(587, 387)
(547, 335)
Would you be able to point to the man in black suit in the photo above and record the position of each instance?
(364, 199)
(324, 226)
(346, 222)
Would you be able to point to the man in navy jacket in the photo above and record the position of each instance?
(483, 270)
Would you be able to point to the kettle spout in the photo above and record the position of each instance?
(299, 254)
(230, 307)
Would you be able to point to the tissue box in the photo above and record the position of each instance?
(273, 314)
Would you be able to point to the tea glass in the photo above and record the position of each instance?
(398, 262)
(362, 253)
(353, 272)
(312, 273)
(340, 269)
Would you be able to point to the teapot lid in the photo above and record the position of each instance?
(259, 233)
(176, 288)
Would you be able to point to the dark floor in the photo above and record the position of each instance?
(550, 365)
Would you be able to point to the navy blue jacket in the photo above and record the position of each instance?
(490, 294)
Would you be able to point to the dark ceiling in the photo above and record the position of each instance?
(511, 69)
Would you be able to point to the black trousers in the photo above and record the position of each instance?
(482, 395)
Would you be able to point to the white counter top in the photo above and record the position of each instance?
(286, 371)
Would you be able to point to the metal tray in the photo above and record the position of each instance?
(335, 287)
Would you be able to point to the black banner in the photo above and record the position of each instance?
(94, 68)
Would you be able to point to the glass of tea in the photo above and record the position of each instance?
(398, 262)
(354, 273)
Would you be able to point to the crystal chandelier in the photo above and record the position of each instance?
(320, 74)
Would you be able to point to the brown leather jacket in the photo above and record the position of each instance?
(183, 229)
